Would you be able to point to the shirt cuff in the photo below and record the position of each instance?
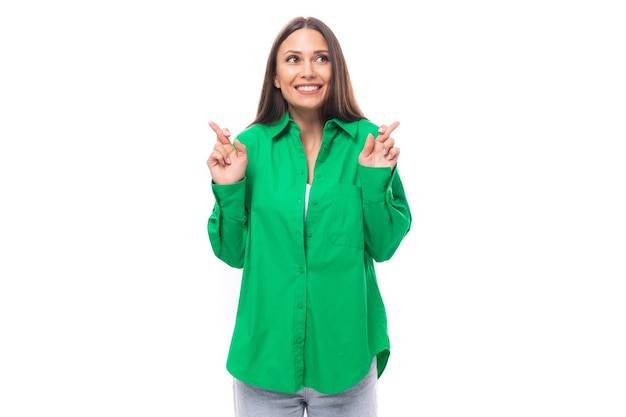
(374, 183)
(230, 198)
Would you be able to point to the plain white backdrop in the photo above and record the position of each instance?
(505, 299)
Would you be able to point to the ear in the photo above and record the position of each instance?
(276, 83)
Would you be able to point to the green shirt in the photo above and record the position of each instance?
(310, 312)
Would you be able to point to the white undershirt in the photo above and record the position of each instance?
(306, 198)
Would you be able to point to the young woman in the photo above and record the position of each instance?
(307, 198)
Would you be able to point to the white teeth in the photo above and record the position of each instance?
(308, 88)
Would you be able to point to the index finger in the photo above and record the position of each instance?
(388, 131)
(221, 136)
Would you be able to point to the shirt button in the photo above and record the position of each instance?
(300, 304)
(298, 340)
(301, 270)
(315, 203)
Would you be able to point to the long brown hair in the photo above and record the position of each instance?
(340, 103)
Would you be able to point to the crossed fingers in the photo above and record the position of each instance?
(223, 147)
(386, 142)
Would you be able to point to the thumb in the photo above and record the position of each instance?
(241, 148)
(369, 146)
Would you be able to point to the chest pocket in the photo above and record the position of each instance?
(345, 227)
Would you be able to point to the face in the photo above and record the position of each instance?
(303, 70)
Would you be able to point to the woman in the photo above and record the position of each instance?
(307, 198)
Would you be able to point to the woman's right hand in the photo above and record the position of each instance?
(228, 161)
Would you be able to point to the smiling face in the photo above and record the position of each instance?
(303, 70)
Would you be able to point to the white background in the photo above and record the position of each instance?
(505, 299)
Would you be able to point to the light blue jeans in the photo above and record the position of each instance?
(359, 401)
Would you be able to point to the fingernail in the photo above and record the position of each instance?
(385, 151)
(227, 132)
(381, 130)
(228, 161)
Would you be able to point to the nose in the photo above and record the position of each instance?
(308, 71)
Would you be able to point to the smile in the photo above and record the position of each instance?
(308, 88)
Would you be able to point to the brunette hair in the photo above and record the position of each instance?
(340, 103)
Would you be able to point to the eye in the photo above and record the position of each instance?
(321, 58)
(292, 59)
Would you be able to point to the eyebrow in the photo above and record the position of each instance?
(293, 51)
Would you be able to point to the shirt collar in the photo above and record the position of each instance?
(349, 127)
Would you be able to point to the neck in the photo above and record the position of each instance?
(306, 120)
(311, 127)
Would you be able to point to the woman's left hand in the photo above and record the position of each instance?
(380, 152)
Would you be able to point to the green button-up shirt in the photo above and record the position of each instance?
(310, 312)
